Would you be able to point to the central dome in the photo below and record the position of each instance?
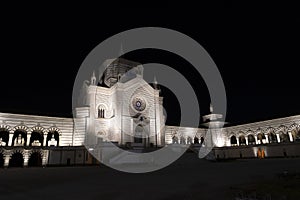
(116, 68)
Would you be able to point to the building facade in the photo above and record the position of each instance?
(121, 107)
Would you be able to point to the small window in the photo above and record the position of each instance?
(101, 112)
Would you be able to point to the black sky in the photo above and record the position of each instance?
(255, 46)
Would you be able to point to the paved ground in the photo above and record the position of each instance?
(187, 178)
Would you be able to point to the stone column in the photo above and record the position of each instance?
(45, 157)
(26, 158)
(290, 136)
(10, 142)
(278, 137)
(45, 140)
(6, 160)
(267, 138)
(256, 141)
(28, 139)
(238, 141)
(246, 138)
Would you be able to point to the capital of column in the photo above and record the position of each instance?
(290, 136)
(10, 142)
(26, 159)
(6, 160)
(278, 137)
(256, 141)
(28, 139)
(45, 139)
(267, 138)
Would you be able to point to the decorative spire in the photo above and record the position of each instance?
(93, 79)
(155, 83)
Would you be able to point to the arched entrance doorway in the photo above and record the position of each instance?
(35, 160)
(1, 160)
(139, 134)
(16, 160)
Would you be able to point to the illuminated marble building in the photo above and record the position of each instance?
(128, 111)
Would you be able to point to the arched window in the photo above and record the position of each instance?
(52, 139)
(4, 137)
(182, 140)
(242, 140)
(101, 111)
(202, 140)
(196, 140)
(283, 137)
(19, 138)
(272, 137)
(297, 136)
(175, 139)
(35, 160)
(189, 140)
(261, 139)
(36, 138)
(233, 140)
(251, 139)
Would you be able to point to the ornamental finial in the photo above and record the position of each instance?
(211, 108)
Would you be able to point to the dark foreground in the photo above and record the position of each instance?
(187, 178)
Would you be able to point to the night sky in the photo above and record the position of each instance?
(256, 48)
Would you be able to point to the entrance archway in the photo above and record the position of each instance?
(1, 160)
(139, 134)
(35, 160)
(16, 160)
